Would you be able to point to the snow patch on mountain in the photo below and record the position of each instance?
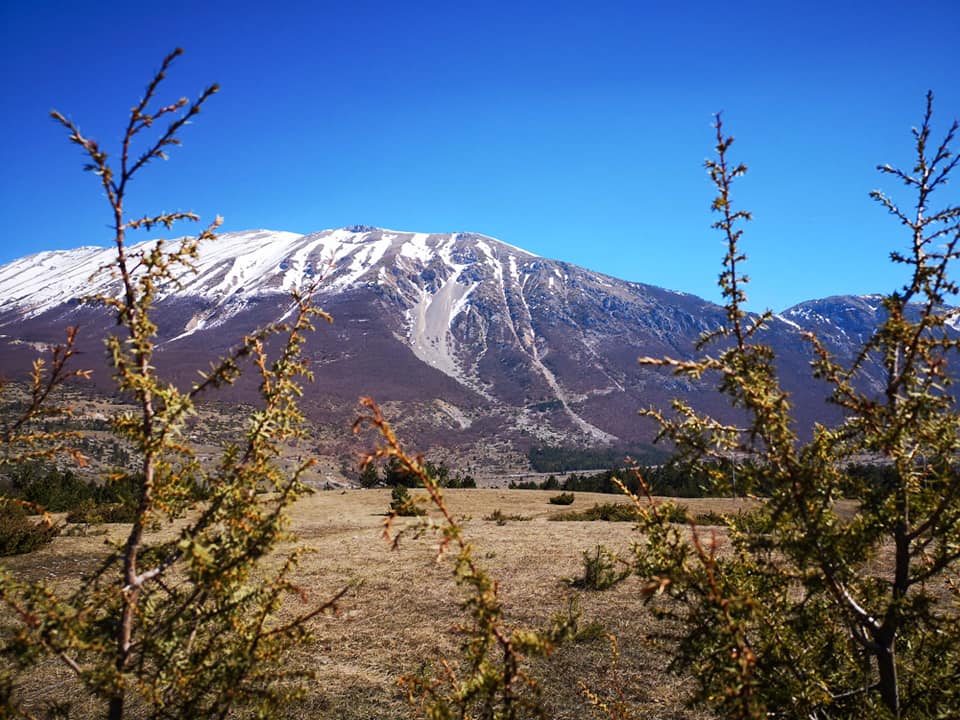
(514, 273)
(788, 321)
(360, 261)
(416, 248)
(37, 282)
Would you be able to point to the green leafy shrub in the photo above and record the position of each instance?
(461, 481)
(526, 485)
(711, 517)
(622, 512)
(670, 479)
(673, 513)
(369, 476)
(590, 632)
(562, 499)
(94, 513)
(394, 473)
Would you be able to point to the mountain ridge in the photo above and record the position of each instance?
(105, 254)
(473, 339)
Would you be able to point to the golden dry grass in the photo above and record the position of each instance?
(403, 608)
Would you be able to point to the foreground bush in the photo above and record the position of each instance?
(191, 627)
(809, 613)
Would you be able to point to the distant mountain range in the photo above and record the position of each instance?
(465, 339)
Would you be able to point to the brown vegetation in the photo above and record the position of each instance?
(403, 605)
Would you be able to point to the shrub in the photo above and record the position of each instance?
(114, 501)
(501, 518)
(590, 632)
(673, 513)
(562, 499)
(369, 476)
(711, 517)
(463, 482)
(192, 627)
(814, 613)
(602, 569)
(615, 512)
(21, 534)
(402, 504)
(394, 473)
(94, 513)
(524, 485)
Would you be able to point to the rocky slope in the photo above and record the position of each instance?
(467, 340)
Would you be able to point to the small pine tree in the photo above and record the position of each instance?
(369, 476)
(402, 504)
(811, 613)
(602, 569)
(187, 627)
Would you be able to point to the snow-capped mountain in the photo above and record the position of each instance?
(465, 337)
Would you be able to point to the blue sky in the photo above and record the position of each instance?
(575, 130)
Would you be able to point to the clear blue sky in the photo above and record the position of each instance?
(576, 130)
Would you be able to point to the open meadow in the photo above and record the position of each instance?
(402, 610)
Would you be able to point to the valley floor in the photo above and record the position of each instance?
(403, 606)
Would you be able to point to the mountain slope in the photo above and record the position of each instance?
(468, 340)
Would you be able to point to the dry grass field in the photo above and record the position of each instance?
(403, 607)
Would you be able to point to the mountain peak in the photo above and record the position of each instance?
(514, 345)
